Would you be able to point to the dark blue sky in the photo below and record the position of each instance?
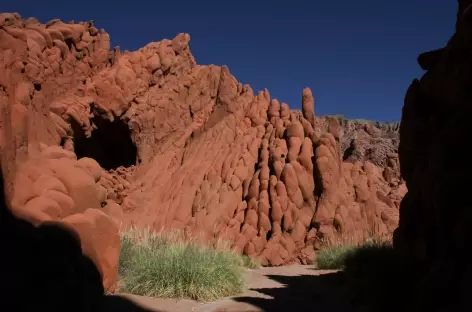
(358, 57)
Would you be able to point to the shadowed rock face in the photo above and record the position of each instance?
(210, 155)
(435, 214)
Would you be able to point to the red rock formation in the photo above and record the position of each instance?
(211, 156)
(39, 63)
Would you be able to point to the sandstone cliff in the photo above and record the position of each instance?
(150, 138)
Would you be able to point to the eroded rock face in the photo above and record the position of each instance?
(364, 140)
(210, 155)
(56, 187)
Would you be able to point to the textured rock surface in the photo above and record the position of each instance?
(435, 214)
(182, 146)
(44, 181)
(56, 187)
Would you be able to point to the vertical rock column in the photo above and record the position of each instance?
(287, 185)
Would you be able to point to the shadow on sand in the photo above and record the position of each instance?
(324, 292)
(43, 269)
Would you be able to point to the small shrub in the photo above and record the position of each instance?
(369, 260)
(333, 258)
(373, 273)
(126, 254)
(250, 263)
(167, 265)
(334, 253)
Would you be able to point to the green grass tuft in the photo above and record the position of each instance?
(159, 265)
(333, 258)
(250, 263)
(372, 270)
(334, 254)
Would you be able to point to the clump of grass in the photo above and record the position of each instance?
(251, 263)
(333, 258)
(126, 253)
(334, 253)
(167, 265)
(373, 270)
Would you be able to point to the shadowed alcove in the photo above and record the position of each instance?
(110, 144)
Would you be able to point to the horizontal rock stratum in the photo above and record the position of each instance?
(97, 138)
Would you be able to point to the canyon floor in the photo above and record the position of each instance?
(294, 287)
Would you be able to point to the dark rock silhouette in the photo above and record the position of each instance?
(43, 269)
(434, 230)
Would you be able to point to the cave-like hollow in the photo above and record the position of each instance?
(110, 143)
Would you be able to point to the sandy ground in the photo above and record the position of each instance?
(290, 288)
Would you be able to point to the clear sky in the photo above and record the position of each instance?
(358, 57)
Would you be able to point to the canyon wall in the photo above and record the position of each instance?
(97, 138)
(434, 228)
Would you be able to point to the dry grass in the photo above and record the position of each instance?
(334, 253)
(172, 265)
(376, 271)
(373, 271)
(251, 263)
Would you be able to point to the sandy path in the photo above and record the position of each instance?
(289, 288)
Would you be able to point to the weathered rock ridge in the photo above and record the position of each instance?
(94, 139)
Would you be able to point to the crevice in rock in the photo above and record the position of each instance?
(110, 144)
(349, 151)
(319, 188)
(69, 42)
(220, 110)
